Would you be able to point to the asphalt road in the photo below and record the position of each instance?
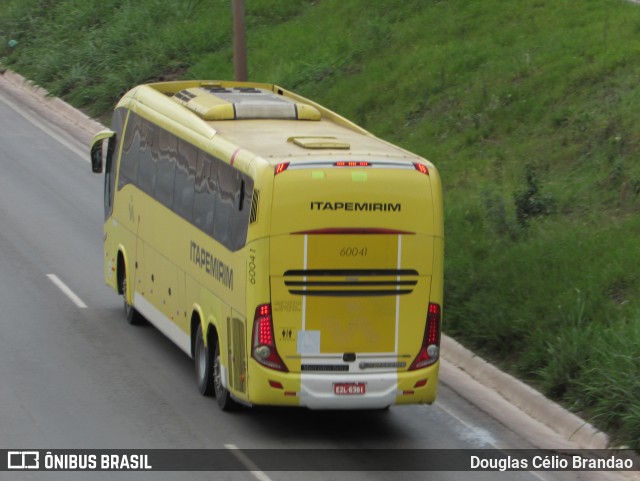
(74, 374)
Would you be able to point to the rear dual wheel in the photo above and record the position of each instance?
(209, 372)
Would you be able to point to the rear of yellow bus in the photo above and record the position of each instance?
(356, 282)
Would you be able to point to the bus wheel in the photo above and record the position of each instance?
(132, 316)
(204, 373)
(222, 394)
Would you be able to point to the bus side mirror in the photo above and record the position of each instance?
(96, 158)
(96, 149)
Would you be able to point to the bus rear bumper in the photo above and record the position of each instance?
(349, 391)
(371, 391)
(381, 390)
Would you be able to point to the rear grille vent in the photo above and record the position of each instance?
(352, 272)
(351, 283)
(350, 292)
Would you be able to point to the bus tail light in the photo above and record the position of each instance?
(264, 342)
(430, 349)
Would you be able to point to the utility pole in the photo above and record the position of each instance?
(239, 41)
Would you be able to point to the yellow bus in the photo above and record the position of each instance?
(297, 258)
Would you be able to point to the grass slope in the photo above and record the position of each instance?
(528, 108)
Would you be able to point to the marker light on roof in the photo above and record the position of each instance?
(281, 167)
(352, 163)
(421, 167)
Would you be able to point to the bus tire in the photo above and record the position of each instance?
(204, 371)
(133, 317)
(222, 394)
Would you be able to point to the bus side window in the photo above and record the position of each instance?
(111, 166)
(147, 168)
(203, 203)
(110, 175)
(240, 220)
(224, 200)
(167, 151)
(130, 148)
(185, 179)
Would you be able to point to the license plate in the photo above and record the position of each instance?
(349, 389)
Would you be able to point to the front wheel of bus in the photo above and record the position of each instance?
(204, 374)
(222, 394)
(130, 313)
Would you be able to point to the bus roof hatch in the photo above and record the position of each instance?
(241, 103)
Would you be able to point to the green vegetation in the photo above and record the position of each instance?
(528, 108)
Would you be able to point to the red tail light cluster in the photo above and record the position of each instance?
(430, 349)
(264, 344)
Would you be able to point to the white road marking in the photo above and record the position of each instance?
(34, 121)
(259, 475)
(68, 292)
(483, 436)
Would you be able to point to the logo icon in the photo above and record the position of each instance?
(23, 460)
